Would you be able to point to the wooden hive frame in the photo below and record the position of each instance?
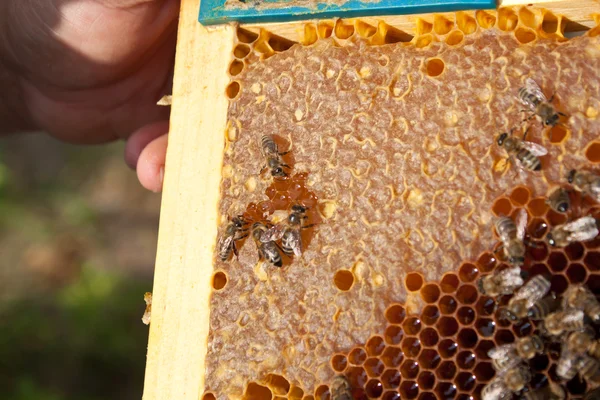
(188, 228)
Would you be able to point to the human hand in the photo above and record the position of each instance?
(91, 71)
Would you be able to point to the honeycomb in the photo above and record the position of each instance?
(391, 140)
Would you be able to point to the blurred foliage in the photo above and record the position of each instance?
(86, 341)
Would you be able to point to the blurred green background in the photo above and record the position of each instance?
(77, 246)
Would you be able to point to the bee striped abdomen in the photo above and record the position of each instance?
(527, 97)
(528, 160)
(506, 227)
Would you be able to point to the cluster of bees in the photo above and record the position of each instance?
(566, 319)
(264, 233)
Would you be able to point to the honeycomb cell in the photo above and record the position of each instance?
(409, 369)
(393, 334)
(392, 357)
(485, 306)
(558, 284)
(395, 314)
(373, 367)
(557, 134)
(412, 326)
(576, 386)
(504, 336)
(426, 380)
(484, 371)
(430, 293)
(528, 18)
(391, 395)
(465, 315)
(465, 22)
(540, 362)
(447, 305)
(465, 381)
(449, 283)
(486, 262)
(537, 207)
(593, 283)
(310, 35)
(435, 67)
(241, 50)
(485, 19)
(357, 356)
(446, 370)
(375, 346)
(574, 251)
(374, 389)
(522, 329)
(409, 390)
(430, 315)
(445, 390)
(442, 25)
(246, 36)
(538, 381)
(539, 252)
(467, 294)
(537, 228)
(539, 269)
(322, 393)
(427, 396)
(343, 31)
(592, 244)
(390, 379)
(365, 30)
(411, 346)
(325, 29)
(454, 38)
(447, 326)
(429, 337)
(502, 206)
(278, 384)
(208, 396)
(468, 272)
(554, 218)
(592, 153)
(296, 393)
(465, 360)
(219, 280)
(520, 196)
(429, 359)
(447, 348)
(356, 376)
(592, 260)
(233, 89)
(482, 349)
(236, 67)
(467, 338)
(339, 362)
(576, 273)
(507, 19)
(423, 41)
(254, 391)
(525, 35)
(413, 281)
(557, 261)
(343, 280)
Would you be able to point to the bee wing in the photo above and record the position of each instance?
(501, 352)
(294, 242)
(530, 292)
(224, 242)
(272, 234)
(533, 88)
(521, 223)
(536, 149)
(495, 390)
(512, 277)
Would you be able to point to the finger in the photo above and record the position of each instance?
(138, 141)
(151, 164)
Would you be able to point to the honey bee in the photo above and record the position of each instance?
(235, 230)
(581, 298)
(534, 99)
(511, 235)
(525, 298)
(585, 182)
(506, 356)
(559, 322)
(580, 230)
(581, 343)
(526, 154)
(543, 307)
(266, 250)
(270, 152)
(503, 386)
(341, 389)
(559, 200)
(289, 231)
(501, 282)
(567, 365)
(589, 369)
(552, 391)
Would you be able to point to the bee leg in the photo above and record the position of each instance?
(262, 171)
(285, 152)
(235, 250)
(563, 114)
(525, 134)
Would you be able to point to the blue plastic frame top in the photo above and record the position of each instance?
(214, 12)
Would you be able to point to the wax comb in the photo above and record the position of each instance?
(248, 11)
